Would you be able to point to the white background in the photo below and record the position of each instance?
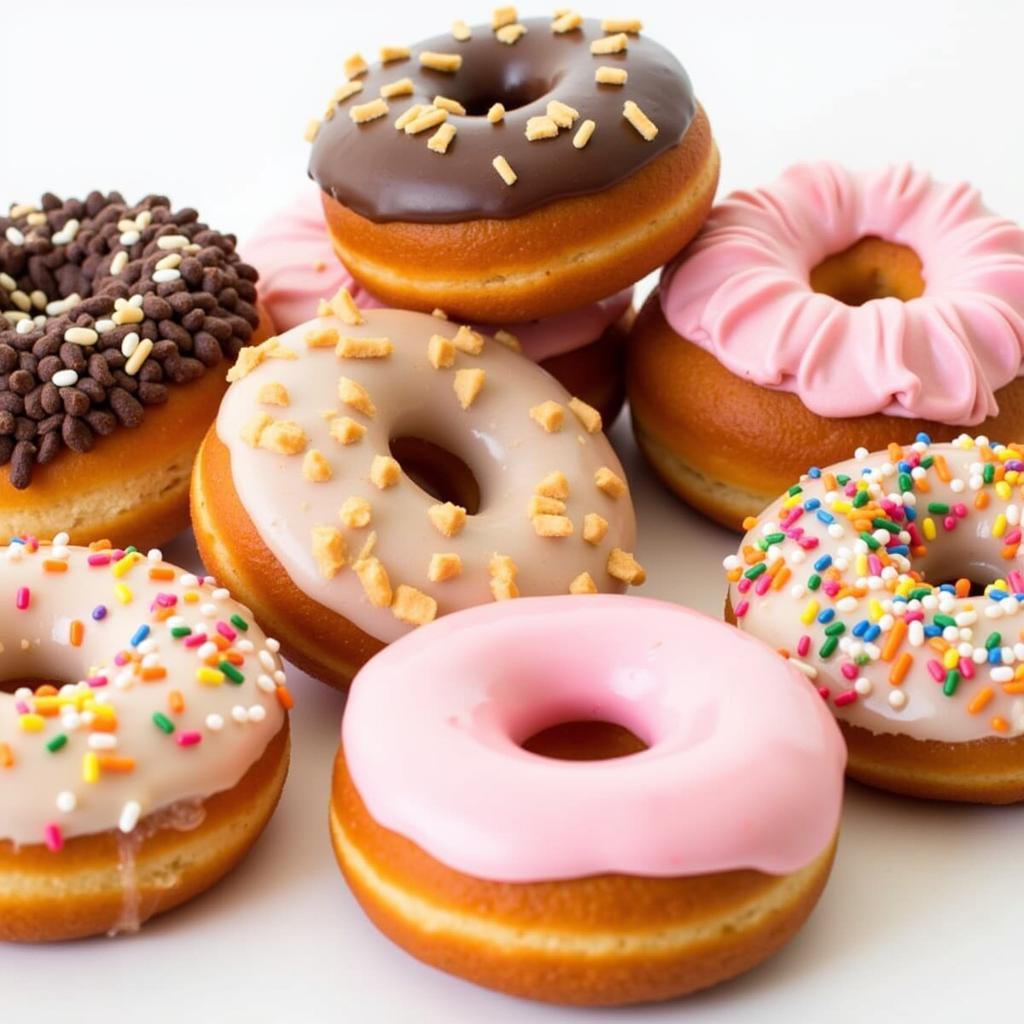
(207, 102)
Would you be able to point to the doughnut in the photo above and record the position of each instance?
(583, 349)
(143, 737)
(829, 311)
(370, 470)
(513, 173)
(892, 581)
(483, 851)
(110, 317)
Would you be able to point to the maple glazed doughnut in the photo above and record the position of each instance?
(584, 349)
(603, 879)
(143, 738)
(827, 311)
(114, 321)
(373, 469)
(892, 580)
(513, 171)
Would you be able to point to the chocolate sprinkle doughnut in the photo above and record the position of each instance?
(384, 174)
(102, 306)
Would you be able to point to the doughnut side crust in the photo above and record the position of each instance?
(603, 940)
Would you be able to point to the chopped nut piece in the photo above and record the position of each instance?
(501, 165)
(439, 313)
(541, 505)
(251, 356)
(374, 578)
(468, 384)
(385, 471)
(413, 606)
(610, 44)
(508, 339)
(609, 482)
(361, 113)
(562, 114)
(272, 393)
(431, 117)
(356, 396)
(452, 106)
(355, 66)
(312, 130)
(567, 22)
(346, 430)
(582, 136)
(315, 468)
(469, 341)
(623, 566)
(441, 139)
(503, 16)
(440, 351)
(549, 415)
(253, 430)
(343, 306)
(605, 75)
(552, 526)
(449, 519)
(554, 485)
(346, 91)
(586, 414)
(630, 25)
(355, 513)
(389, 54)
(321, 337)
(410, 115)
(639, 120)
(329, 551)
(542, 127)
(368, 546)
(461, 31)
(400, 87)
(594, 528)
(496, 113)
(510, 34)
(503, 577)
(583, 584)
(444, 567)
(364, 348)
(449, 62)
(285, 437)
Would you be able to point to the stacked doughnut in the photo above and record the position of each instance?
(520, 176)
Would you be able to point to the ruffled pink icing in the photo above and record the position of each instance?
(298, 267)
(744, 766)
(741, 292)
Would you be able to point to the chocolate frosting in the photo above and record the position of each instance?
(384, 174)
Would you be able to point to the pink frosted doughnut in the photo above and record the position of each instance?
(298, 267)
(742, 772)
(741, 292)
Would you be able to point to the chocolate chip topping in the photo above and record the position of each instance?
(385, 174)
(102, 306)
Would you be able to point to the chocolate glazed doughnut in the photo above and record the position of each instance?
(423, 217)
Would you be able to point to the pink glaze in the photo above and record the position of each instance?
(298, 267)
(744, 767)
(741, 291)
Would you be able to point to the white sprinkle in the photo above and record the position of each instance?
(24, 326)
(130, 814)
(187, 579)
(239, 714)
(207, 650)
(897, 699)
(863, 686)
(154, 555)
(136, 301)
(267, 661)
(14, 236)
(257, 713)
(65, 378)
(808, 670)
(118, 263)
(104, 326)
(129, 344)
(66, 801)
(130, 238)
(266, 684)
(273, 645)
(221, 594)
(214, 723)
(164, 276)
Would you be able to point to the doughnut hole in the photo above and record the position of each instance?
(513, 86)
(969, 573)
(438, 471)
(871, 268)
(584, 740)
(30, 682)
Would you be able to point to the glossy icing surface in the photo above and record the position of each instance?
(508, 452)
(741, 291)
(385, 174)
(743, 769)
(848, 572)
(298, 267)
(135, 730)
